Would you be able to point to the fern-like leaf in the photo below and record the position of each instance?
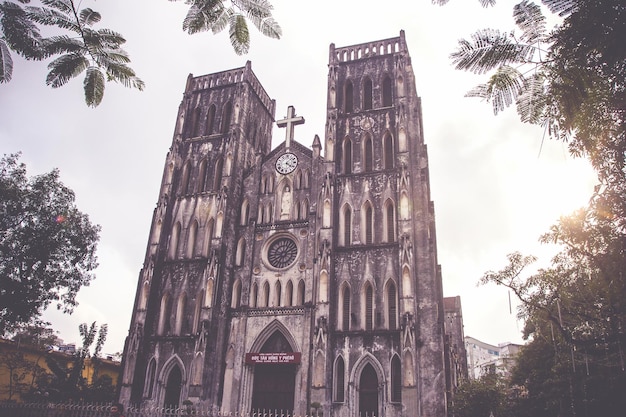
(267, 26)
(51, 17)
(94, 86)
(202, 15)
(19, 32)
(530, 20)
(64, 6)
(502, 89)
(239, 35)
(89, 17)
(531, 102)
(562, 7)
(223, 20)
(488, 49)
(61, 45)
(64, 68)
(254, 8)
(6, 62)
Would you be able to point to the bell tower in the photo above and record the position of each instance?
(385, 306)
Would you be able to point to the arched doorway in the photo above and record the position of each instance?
(172, 388)
(368, 392)
(274, 384)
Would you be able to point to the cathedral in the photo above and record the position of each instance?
(297, 279)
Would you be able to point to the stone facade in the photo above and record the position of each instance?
(293, 278)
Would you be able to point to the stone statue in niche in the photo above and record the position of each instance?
(285, 203)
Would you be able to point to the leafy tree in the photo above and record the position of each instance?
(98, 53)
(216, 15)
(67, 383)
(36, 335)
(483, 397)
(47, 246)
(570, 80)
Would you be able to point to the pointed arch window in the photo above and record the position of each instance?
(345, 308)
(184, 183)
(349, 97)
(180, 314)
(368, 219)
(346, 226)
(396, 380)
(195, 122)
(217, 176)
(387, 91)
(164, 314)
(210, 120)
(266, 294)
(369, 307)
(253, 295)
(368, 154)
(367, 94)
(339, 380)
(192, 240)
(300, 297)
(388, 152)
(392, 307)
(226, 116)
(234, 303)
(241, 252)
(174, 238)
(150, 377)
(209, 235)
(245, 210)
(198, 310)
(390, 221)
(278, 292)
(347, 156)
(288, 294)
(202, 176)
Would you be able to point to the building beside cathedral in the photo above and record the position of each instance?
(295, 278)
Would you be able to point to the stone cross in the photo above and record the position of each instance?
(289, 122)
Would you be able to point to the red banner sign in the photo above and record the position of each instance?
(280, 357)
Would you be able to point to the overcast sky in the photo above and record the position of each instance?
(495, 183)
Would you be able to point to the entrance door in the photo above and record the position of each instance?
(172, 389)
(368, 392)
(274, 384)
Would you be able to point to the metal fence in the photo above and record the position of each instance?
(104, 410)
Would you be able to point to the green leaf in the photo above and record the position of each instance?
(502, 88)
(267, 26)
(530, 20)
(19, 31)
(94, 86)
(239, 35)
(255, 8)
(50, 17)
(62, 44)
(531, 102)
(202, 16)
(6, 62)
(88, 17)
(64, 68)
(488, 49)
(65, 6)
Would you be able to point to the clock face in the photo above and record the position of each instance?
(286, 163)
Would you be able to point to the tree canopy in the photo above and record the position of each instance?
(80, 48)
(47, 246)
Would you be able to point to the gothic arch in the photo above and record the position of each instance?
(245, 212)
(339, 380)
(198, 310)
(344, 307)
(368, 153)
(346, 159)
(367, 306)
(217, 174)
(278, 293)
(391, 304)
(300, 295)
(367, 222)
(265, 295)
(236, 296)
(357, 372)
(186, 178)
(387, 97)
(172, 365)
(288, 298)
(180, 313)
(388, 151)
(208, 235)
(345, 225)
(174, 239)
(326, 215)
(202, 169)
(348, 95)
(145, 293)
(192, 240)
(367, 93)
(268, 331)
(240, 254)
(165, 313)
(389, 221)
(226, 116)
(148, 387)
(254, 293)
(210, 120)
(396, 380)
